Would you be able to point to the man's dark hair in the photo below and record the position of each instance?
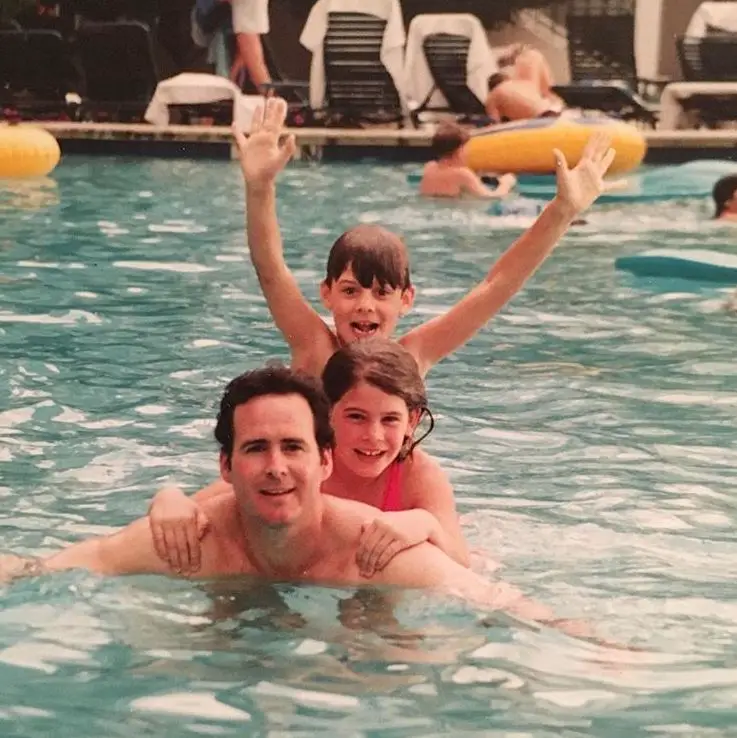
(273, 380)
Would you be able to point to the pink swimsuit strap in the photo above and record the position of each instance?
(393, 492)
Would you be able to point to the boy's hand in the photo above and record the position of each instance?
(506, 182)
(266, 151)
(177, 524)
(579, 187)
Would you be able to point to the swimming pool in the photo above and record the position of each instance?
(589, 432)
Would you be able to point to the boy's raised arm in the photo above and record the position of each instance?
(577, 190)
(262, 156)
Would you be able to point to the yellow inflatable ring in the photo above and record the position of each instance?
(27, 151)
(526, 146)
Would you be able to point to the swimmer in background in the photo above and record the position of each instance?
(449, 176)
(522, 62)
(725, 210)
(725, 202)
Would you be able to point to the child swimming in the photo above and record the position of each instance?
(367, 287)
(448, 174)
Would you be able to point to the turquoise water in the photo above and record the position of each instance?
(589, 432)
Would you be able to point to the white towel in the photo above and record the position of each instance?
(392, 49)
(192, 88)
(480, 65)
(250, 16)
(721, 16)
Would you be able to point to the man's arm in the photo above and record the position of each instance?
(426, 567)
(129, 551)
(577, 190)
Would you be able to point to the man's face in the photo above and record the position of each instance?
(276, 468)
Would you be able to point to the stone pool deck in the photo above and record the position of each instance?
(335, 143)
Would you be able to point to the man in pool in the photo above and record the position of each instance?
(276, 441)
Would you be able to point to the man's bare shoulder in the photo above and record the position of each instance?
(223, 552)
(219, 507)
(349, 513)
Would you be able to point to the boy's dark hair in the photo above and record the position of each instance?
(722, 192)
(448, 138)
(372, 252)
(273, 380)
(496, 79)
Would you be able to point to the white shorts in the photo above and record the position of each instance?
(250, 16)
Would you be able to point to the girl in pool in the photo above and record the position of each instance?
(378, 400)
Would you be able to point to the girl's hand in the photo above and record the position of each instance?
(177, 525)
(389, 534)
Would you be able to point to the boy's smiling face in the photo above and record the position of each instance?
(362, 312)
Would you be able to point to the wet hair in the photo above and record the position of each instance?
(448, 138)
(372, 252)
(722, 192)
(386, 365)
(273, 380)
(496, 79)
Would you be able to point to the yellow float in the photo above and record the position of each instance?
(26, 151)
(526, 146)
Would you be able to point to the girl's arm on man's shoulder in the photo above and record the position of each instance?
(425, 486)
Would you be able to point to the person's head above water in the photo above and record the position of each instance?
(724, 196)
(276, 443)
(272, 381)
(367, 285)
(449, 139)
(378, 398)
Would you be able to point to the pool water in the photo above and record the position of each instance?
(589, 431)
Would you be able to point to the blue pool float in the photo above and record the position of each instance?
(697, 264)
(520, 206)
(679, 182)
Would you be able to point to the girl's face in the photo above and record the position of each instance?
(370, 427)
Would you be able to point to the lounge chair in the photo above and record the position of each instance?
(119, 67)
(711, 58)
(447, 66)
(357, 61)
(12, 65)
(708, 95)
(37, 72)
(601, 36)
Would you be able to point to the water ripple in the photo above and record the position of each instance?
(588, 430)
